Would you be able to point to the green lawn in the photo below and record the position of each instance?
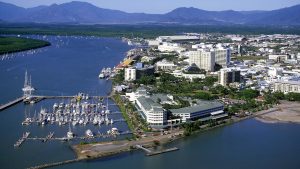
(14, 44)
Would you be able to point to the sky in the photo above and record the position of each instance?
(163, 6)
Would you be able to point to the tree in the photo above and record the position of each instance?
(146, 80)
(248, 94)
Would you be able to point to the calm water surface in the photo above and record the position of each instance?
(71, 65)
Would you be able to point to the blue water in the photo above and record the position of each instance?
(249, 144)
(72, 64)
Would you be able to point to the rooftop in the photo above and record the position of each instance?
(201, 106)
(289, 82)
(149, 104)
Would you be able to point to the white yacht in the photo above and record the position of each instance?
(113, 131)
(70, 134)
(89, 133)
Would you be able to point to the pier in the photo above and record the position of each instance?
(143, 148)
(21, 140)
(9, 104)
(36, 99)
(152, 153)
(162, 151)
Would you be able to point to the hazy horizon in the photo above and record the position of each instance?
(159, 7)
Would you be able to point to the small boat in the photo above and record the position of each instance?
(70, 134)
(113, 131)
(89, 133)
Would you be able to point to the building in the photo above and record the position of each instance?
(130, 74)
(165, 65)
(274, 72)
(132, 97)
(170, 47)
(178, 38)
(145, 71)
(204, 110)
(222, 56)
(135, 73)
(204, 59)
(279, 58)
(287, 86)
(153, 42)
(152, 112)
(228, 76)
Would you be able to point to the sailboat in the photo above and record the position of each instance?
(70, 134)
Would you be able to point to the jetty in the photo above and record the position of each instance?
(36, 99)
(152, 153)
(22, 139)
(162, 151)
(49, 136)
(11, 103)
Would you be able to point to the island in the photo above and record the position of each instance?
(17, 44)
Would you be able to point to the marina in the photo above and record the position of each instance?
(56, 78)
(56, 73)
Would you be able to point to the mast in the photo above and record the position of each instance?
(26, 79)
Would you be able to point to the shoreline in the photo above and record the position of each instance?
(288, 112)
(19, 44)
(85, 152)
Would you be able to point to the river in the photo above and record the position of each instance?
(72, 65)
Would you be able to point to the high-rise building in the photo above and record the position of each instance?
(204, 59)
(227, 76)
(222, 56)
(130, 74)
(135, 73)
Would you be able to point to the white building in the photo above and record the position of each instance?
(165, 65)
(222, 56)
(279, 57)
(191, 77)
(130, 74)
(287, 86)
(204, 59)
(152, 112)
(274, 72)
(170, 47)
(177, 38)
(203, 110)
(153, 42)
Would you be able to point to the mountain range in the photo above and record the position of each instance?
(76, 12)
